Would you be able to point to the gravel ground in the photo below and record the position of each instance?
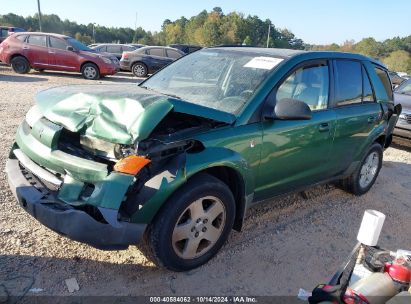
(286, 244)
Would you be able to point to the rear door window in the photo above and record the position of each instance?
(156, 52)
(385, 79)
(38, 40)
(348, 82)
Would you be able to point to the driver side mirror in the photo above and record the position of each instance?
(70, 48)
(289, 109)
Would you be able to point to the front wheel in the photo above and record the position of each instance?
(193, 225)
(90, 71)
(364, 177)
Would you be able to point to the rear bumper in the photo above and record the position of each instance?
(125, 65)
(66, 220)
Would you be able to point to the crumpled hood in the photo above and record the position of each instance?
(115, 113)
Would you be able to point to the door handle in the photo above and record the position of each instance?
(26, 48)
(371, 119)
(324, 127)
(52, 52)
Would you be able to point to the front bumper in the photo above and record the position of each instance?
(111, 69)
(66, 220)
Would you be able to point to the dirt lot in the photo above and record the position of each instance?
(289, 243)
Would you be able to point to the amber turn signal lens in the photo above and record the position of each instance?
(131, 164)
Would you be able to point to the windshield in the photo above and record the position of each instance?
(219, 79)
(78, 45)
(404, 88)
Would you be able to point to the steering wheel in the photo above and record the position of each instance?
(246, 94)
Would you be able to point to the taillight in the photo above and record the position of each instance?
(124, 56)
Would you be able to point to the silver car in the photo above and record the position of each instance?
(402, 95)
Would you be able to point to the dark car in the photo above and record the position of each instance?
(114, 49)
(176, 161)
(6, 31)
(186, 48)
(402, 95)
(149, 59)
(45, 51)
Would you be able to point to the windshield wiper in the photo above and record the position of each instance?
(151, 89)
(172, 95)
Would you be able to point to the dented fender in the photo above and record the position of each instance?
(159, 188)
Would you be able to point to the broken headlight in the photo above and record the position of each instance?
(121, 151)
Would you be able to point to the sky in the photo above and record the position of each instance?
(314, 21)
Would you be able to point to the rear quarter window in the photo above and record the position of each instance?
(21, 37)
(385, 79)
(173, 54)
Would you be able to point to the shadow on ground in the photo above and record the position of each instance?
(20, 273)
(401, 144)
(20, 78)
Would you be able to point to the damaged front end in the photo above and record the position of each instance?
(97, 166)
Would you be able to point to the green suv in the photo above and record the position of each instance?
(177, 160)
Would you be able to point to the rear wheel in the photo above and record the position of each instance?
(364, 177)
(20, 65)
(90, 71)
(194, 224)
(139, 69)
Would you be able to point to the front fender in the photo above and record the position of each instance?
(178, 171)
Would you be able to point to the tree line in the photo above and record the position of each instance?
(205, 29)
(213, 27)
(394, 52)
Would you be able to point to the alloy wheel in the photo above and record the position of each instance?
(139, 70)
(369, 169)
(90, 72)
(199, 227)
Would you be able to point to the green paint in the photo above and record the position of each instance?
(272, 157)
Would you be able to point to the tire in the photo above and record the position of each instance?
(90, 71)
(206, 232)
(139, 69)
(367, 172)
(20, 65)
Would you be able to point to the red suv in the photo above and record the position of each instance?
(43, 51)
